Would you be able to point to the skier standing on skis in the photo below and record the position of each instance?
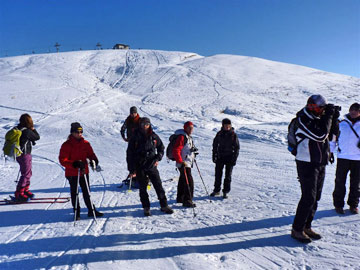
(28, 137)
(224, 153)
(314, 124)
(348, 159)
(130, 125)
(73, 156)
(184, 154)
(144, 152)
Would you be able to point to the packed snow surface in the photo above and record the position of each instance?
(249, 230)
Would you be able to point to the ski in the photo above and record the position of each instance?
(12, 200)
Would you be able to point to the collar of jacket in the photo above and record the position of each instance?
(352, 120)
(72, 139)
(311, 115)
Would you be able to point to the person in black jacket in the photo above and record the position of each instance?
(28, 137)
(224, 153)
(144, 152)
(314, 124)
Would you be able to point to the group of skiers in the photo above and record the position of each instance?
(145, 151)
(318, 133)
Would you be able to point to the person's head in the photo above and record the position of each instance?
(226, 124)
(354, 110)
(188, 127)
(316, 104)
(26, 121)
(133, 111)
(76, 130)
(145, 123)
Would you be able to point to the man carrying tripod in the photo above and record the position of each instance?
(314, 123)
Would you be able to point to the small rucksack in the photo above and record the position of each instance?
(170, 147)
(12, 142)
(291, 136)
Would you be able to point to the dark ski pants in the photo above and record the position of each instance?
(218, 176)
(154, 176)
(311, 177)
(183, 193)
(342, 169)
(73, 184)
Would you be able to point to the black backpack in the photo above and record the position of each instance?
(170, 147)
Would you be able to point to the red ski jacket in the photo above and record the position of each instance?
(73, 150)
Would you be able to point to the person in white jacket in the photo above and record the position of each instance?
(348, 159)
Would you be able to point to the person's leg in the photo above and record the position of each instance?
(353, 200)
(156, 181)
(219, 166)
(227, 180)
(342, 169)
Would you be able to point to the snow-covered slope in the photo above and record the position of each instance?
(250, 230)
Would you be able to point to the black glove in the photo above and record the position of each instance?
(214, 159)
(78, 164)
(332, 159)
(94, 160)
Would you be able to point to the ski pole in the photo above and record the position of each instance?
(88, 190)
(77, 196)
(197, 167)
(17, 178)
(188, 185)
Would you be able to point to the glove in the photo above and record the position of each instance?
(78, 164)
(332, 159)
(98, 168)
(214, 159)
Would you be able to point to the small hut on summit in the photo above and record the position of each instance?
(121, 47)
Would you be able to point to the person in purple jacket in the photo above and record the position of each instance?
(28, 137)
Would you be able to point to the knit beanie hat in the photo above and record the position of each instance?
(188, 123)
(75, 127)
(226, 121)
(133, 109)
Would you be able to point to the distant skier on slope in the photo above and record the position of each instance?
(130, 125)
(315, 121)
(184, 154)
(225, 152)
(144, 152)
(28, 137)
(73, 156)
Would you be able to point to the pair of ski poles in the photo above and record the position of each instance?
(77, 196)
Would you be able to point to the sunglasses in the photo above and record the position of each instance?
(79, 132)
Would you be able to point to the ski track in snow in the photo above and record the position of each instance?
(250, 230)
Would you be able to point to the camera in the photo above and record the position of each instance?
(335, 107)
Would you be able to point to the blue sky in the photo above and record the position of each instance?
(323, 34)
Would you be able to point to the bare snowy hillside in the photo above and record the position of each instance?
(250, 230)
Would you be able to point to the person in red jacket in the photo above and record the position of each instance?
(73, 156)
(184, 154)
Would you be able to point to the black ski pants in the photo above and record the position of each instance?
(73, 185)
(185, 188)
(311, 177)
(218, 176)
(153, 174)
(342, 169)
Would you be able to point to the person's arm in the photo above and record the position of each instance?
(179, 145)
